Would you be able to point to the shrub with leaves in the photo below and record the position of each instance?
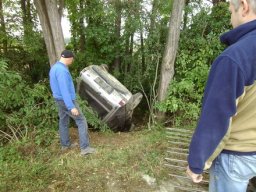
(92, 117)
(30, 111)
(199, 46)
(25, 109)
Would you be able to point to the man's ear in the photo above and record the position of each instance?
(245, 7)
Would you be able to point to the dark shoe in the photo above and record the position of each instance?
(88, 150)
(73, 145)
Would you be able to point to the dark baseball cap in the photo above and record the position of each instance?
(67, 54)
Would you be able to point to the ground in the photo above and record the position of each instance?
(124, 162)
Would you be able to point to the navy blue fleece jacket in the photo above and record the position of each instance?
(230, 74)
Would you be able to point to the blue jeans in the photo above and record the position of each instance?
(64, 117)
(231, 173)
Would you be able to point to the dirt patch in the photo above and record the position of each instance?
(27, 150)
(119, 139)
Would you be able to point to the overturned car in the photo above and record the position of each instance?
(112, 101)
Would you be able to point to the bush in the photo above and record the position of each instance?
(30, 111)
(25, 109)
(199, 46)
(184, 97)
(92, 117)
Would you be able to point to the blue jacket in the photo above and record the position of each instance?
(62, 85)
(228, 117)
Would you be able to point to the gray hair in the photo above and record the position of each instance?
(252, 3)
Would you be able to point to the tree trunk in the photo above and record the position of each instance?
(167, 68)
(153, 16)
(118, 20)
(26, 17)
(185, 17)
(61, 4)
(3, 28)
(50, 19)
(143, 65)
(81, 27)
(129, 67)
(127, 55)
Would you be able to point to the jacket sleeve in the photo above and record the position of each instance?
(225, 85)
(63, 82)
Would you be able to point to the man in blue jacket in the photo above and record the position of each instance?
(63, 91)
(225, 137)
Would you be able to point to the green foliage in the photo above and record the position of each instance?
(199, 46)
(30, 111)
(98, 46)
(103, 44)
(26, 50)
(25, 109)
(26, 102)
(185, 95)
(9, 100)
(92, 117)
(37, 111)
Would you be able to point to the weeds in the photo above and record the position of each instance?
(117, 166)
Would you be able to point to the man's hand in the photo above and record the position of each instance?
(196, 178)
(74, 112)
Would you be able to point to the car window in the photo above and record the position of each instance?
(104, 85)
(110, 80)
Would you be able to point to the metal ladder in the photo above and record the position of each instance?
(176, 161)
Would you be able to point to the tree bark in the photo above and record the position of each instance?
(26, 17)
(118, 20)
(153, 16)
(143, 65)
(50, 19)
(3, 29)
(61, 4)
(127, 55)
(185, 18)
(81, 27)
(167, 68)
(129, 67)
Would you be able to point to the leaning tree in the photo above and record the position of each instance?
(50, 13)
(167, 68)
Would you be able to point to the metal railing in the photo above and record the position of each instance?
(176, 161)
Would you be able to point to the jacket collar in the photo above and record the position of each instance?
(58, 62)
(237, 33)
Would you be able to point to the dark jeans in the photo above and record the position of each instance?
(64, 117)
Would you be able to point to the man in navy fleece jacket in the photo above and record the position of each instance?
(225, 137)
